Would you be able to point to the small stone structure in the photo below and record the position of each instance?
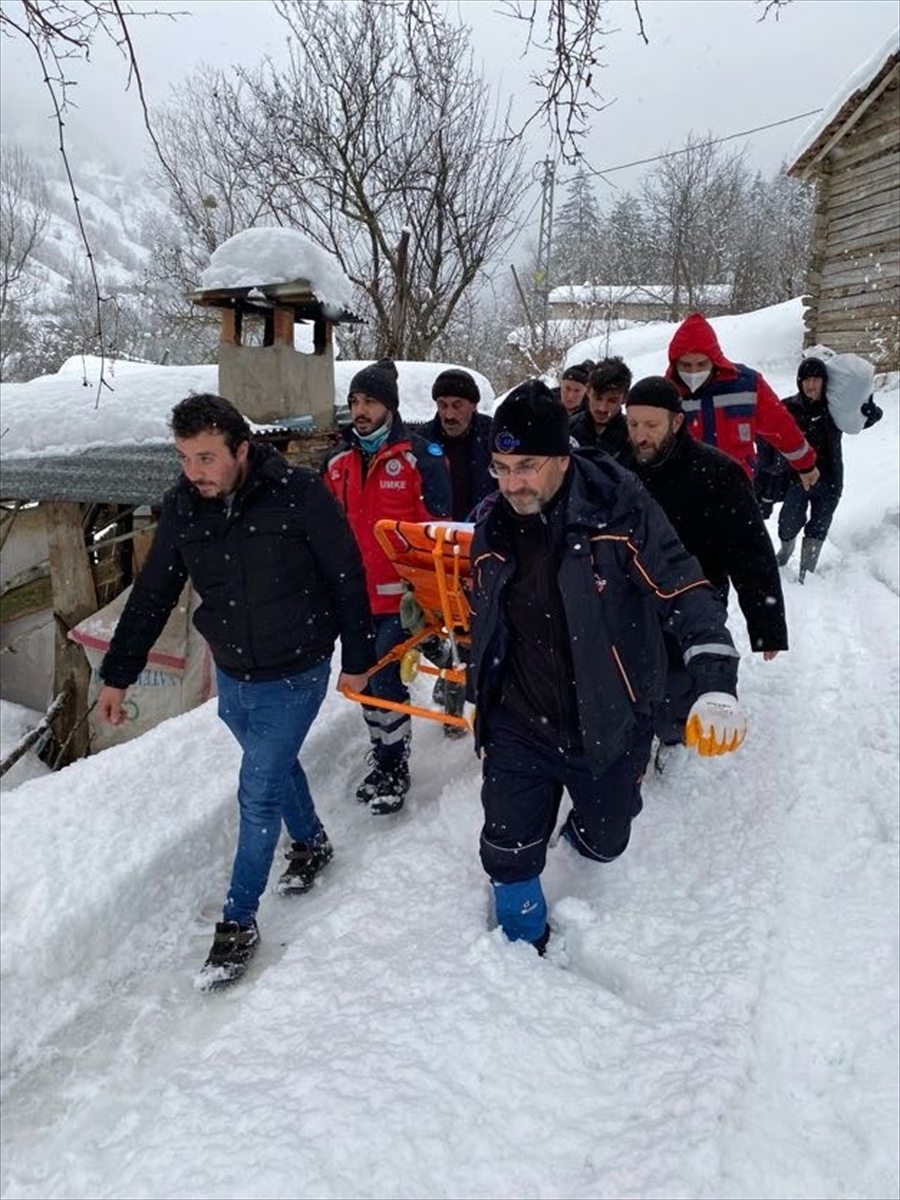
(272, 382)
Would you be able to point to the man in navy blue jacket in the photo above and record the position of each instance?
(463, 434)
(575, 572)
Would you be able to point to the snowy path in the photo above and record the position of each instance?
(716, 1017)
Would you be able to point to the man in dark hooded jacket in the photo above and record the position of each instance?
(712, 505)
(575, 571)
(809, 408)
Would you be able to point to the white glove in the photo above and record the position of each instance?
(716, 724)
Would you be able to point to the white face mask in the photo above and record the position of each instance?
(695, 379)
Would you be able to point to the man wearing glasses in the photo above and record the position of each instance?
(575, 571)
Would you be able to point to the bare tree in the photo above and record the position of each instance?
(403, 178)
(771, 246)
(24, 216)
(209, 136)
(569, 37)
(378, 142)
(60, 32)
(692, 201)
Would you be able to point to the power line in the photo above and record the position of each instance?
(640, 162)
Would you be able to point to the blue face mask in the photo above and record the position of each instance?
(373, 442)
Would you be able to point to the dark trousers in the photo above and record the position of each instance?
(822, 501)
(390, 731)
(522, 785)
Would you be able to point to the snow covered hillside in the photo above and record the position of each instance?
(717, 1015)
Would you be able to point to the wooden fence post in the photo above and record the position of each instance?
(74, 598)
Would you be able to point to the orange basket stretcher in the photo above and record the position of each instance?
(433, 557)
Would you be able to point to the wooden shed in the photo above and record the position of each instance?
(74, 531)
(853, 155)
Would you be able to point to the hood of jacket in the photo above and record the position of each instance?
(695, 335)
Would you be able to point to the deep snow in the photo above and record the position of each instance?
(717, 1014)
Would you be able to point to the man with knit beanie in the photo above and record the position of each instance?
(463, 434)
(573, 387)
(382, 471)
(576, 572)
(713, 508)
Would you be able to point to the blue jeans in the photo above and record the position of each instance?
(270, 721)
(389, 731)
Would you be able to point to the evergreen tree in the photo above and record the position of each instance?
(576, 242)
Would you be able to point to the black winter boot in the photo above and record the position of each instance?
(784, 554)
(233, 947)
(384, 788)
(809, 555)
(305, 861)
(540, 944)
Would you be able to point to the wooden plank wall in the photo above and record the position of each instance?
(854, 284)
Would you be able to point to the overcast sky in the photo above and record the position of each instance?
(711, 65)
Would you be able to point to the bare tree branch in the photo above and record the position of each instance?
(404, 180)
(24, 216)
(772, 6)
(59, 32)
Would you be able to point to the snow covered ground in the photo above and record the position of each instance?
(717, 1015)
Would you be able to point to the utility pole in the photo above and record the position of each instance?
(545, 244)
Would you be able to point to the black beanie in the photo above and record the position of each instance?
(379, 380)
(531, 421)
(655, 392)
(578, 371)
(456, 383)
(811, 368)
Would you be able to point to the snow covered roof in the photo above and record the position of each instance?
(59, 417)
(635, 293)
(846, 106)
(273, 263)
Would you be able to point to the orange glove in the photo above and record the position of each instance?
(716, 724)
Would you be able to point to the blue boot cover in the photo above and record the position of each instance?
(521, 909)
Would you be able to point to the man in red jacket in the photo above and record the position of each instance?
(382, 471)
(729, 405)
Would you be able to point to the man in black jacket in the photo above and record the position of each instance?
(712, 506)
(463, 434)
(280, 577)
(603, 424)
(574, 573)
(809, 408)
